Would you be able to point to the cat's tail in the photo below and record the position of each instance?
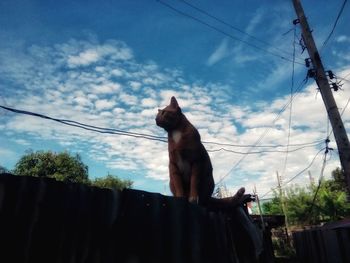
(228, 202)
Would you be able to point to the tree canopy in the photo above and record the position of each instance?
(61, 166)
(64, 167)
(112, 182)
(313, 204)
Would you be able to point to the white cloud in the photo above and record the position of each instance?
(148, 102)
(343, 39)
(219, 53)
(82, 101)
(117, 72)
(104, 104)
(128, 99)
(22, 142)
(255, 21)
(106, 88)
(84, 58)
(6, 154)
(101, 97)
(115, 49)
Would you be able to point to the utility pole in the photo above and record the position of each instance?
(279, 182)
(339, 131)
(312, 182)
(260, 211)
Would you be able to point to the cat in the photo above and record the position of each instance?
(190, 168)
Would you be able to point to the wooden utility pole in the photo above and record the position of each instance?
(260, 211)
(312, 182)
(279, 182)
(339, 131)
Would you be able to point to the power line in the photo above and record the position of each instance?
(266, 130)
(334, 25)
(88, 127)
(302, 171)
(231, 26)
(298, 174)
(262, 146)
(319, 182)
(341, 114)
(346, 105)
(291, 106)
(266, 151)
(343, 78)
(223, 32)
(134, 134)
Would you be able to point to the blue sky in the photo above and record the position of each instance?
(114, 63)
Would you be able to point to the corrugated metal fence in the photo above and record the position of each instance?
(42, 220)
(330, 243)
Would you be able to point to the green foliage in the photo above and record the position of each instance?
(274, 207)
(112, 182)
(61, 166)
(298, 204)
(338, 183)
(303, 208)
(332, 201)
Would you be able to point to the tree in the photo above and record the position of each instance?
(64, 167)
(313, 204)
(61, 166)
(338, 182)
(3, 169)
(299, 207)
(112, 182)
(332, 200)
(273, 207)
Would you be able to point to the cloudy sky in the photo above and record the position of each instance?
(230, 64)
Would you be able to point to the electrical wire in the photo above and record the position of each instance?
(261, 146)
(291, 106)
(88, 127)
(341, 114)
(139, 135)
(223, 32)
(278, 115)
(335, 24)
(319, 181)
(231, 26)
(343, 78)
(261, 152)
(297, 175)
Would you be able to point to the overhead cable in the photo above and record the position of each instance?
(278, 115)
(225, 33)
(297, 175)
(138, 135)
(291, 107)
(264, 151)
(334, 25)
(231, 26)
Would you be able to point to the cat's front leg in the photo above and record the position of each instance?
(176, 186)
(194, 197)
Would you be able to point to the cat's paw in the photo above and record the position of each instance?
(193, 199)
(240, 192)
(238, 197)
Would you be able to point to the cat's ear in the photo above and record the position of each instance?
(173, 102)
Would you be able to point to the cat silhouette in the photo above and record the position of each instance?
(190, 168)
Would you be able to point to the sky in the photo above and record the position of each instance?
(230, 65)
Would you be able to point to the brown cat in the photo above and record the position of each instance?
(190, 169)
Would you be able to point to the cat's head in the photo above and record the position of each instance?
(169, 117)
